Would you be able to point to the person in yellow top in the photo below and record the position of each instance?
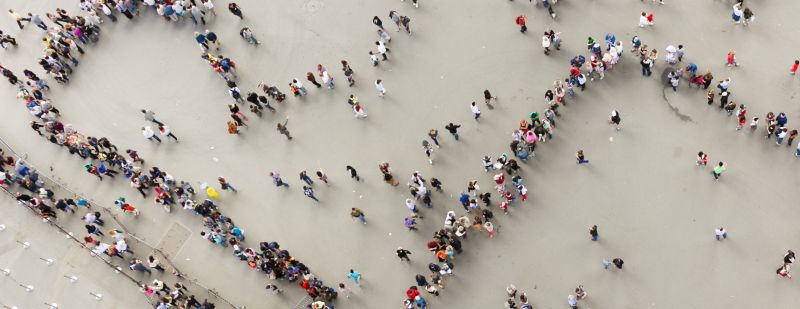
(18, 18)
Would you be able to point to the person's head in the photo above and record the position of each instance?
(797, 62)
(720, 163)
(379, 81)
(700, 154)
(473, 103)
(644, 14)
(580, 152)
(341, 285)
(680, 46)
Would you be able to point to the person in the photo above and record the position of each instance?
(797, 151)
(737, 13)
(225, 184)
(37, 20)
(434, 135)
(731, 60)
(618, 262)
(352, 172)
(373, 58)
(167, 132)
(426, 147)
(721, 233)
(783, 271)
(232, 127)
(643, 20)
(593, 232)
(212, 37)
(301, 90)
(377, 21)
(18, 18)
(718, 170)
(792, 135)
(151, 116)
(489, 227)
(615, 119)
(304, 177)
(580, 157)
(702, 159)
(647, 65)
(487, 97)
(6, 38)
(273, 289)
(520, 21)
(308, 191)
(322, 176)
(403, 254)
(235, 10)
(276, 179)
(792, 69)
(357, 213)
(148, 133)
(580, 292)
(511, 290)
(474, 108)
(789, 257)
(546, 40)
(247, 35)
(453, 129)
(310, 77)
(355, 276)
(781, 135)
(154, 263)
(283, 130)
(380, 88)
(383, 50)
(348, 72)
(572, 300)
(137, 265)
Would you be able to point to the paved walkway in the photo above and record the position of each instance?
(654, 208)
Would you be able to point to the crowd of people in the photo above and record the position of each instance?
(62, 39)
(70, 34)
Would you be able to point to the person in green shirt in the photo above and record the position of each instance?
(718, 170)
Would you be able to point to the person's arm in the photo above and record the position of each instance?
(285, 122)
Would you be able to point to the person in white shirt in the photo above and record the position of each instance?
(643, 20)
(209, 7)
(474, 108)
(373, 58)
(382, 49)
(380, 88)
(148, 133)
(721, 233)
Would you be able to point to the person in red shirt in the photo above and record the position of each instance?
(412, 292)
(795, 66)
(521, 22)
